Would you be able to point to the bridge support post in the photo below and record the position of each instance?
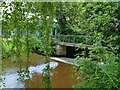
(60, 50)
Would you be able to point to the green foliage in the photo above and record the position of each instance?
(100, 68)
(20, 23)
(68, 16)
(48, 12)
(98, 20)
(88, 19)
(36, 45)
(23, 74)
(7, 46)
(101, 73)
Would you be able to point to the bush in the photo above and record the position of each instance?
(102, 73)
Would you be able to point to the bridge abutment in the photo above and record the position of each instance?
(60, 50)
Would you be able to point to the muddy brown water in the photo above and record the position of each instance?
(63, 76)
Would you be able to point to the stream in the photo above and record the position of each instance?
(62, 74)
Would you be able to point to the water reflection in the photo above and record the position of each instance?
(62, 77)
(12, 80)
(62, 74)
(39, 68)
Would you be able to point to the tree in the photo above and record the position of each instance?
(20, 21)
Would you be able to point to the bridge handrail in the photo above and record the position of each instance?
(72, 38)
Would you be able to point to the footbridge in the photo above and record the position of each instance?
(66, 45)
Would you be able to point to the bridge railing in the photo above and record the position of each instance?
(74, 38)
